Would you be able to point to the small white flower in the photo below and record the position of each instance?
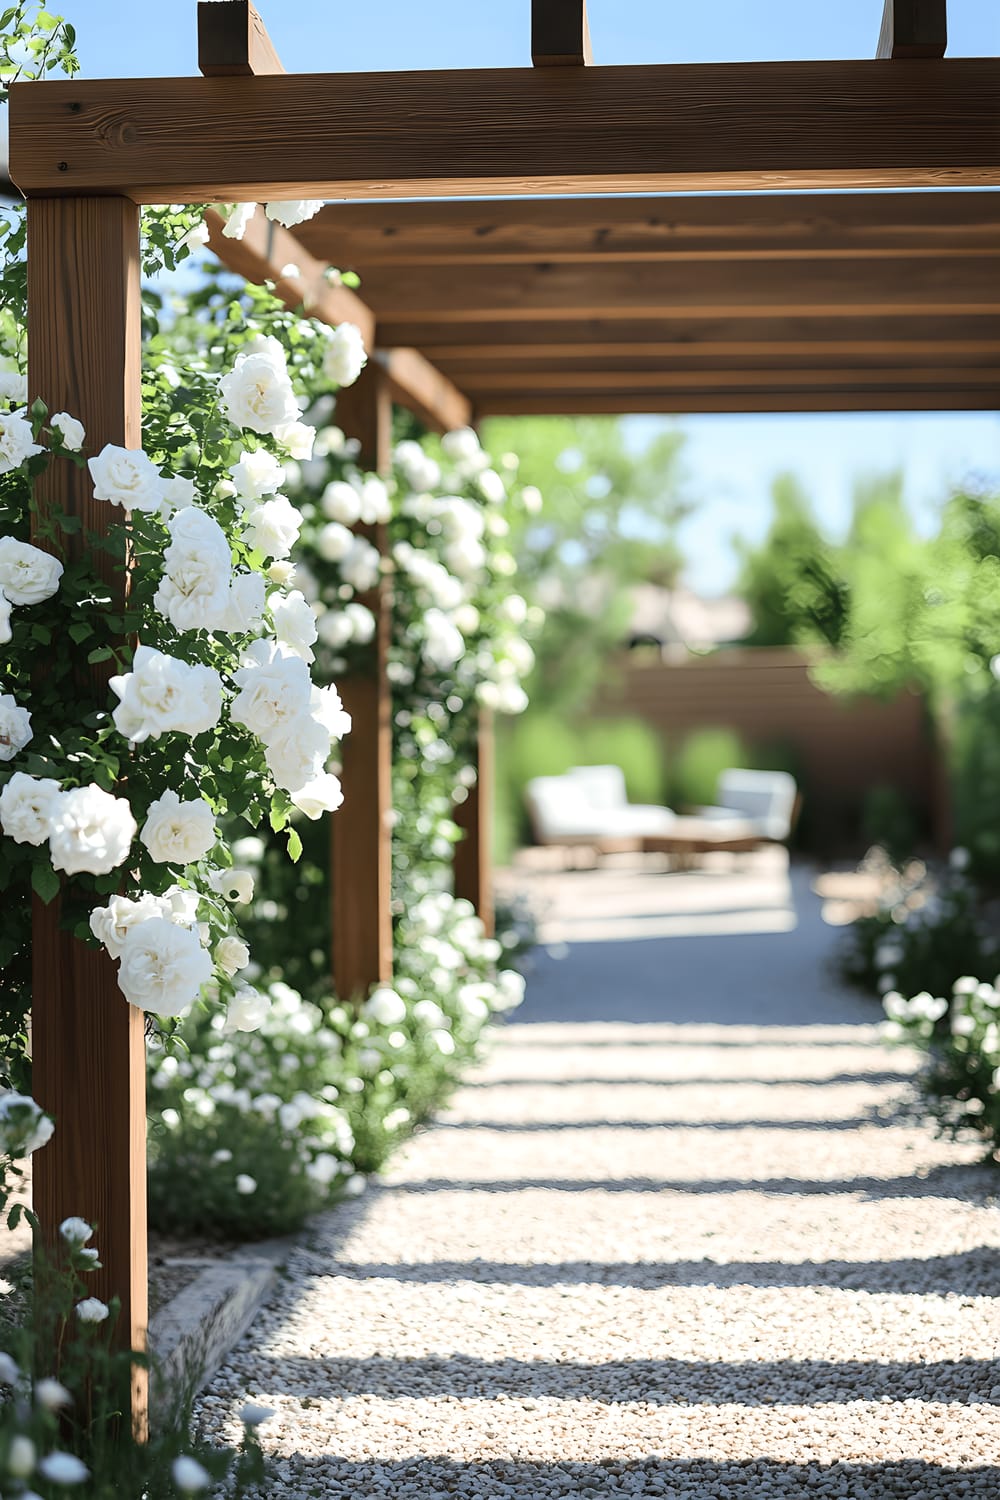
(323, 794)
(15, 727)
(245, 1184)
(92, 1310)
(341, 502)
(13, 386)
(253, 1415)
(76, 1231)
(111, 924)
(193, 593)
(334, 542)
(27, 804)
(163, 694)
(24, 1128)
(70, 429)
(297, 438)
(237, 219)
(245, 609)
(247, 1011)
(16, 442)
(27, 574)
(63, 1468)
(52, 1394)
(195, 238)
(9, 1372)
(257, 392)
(21, 1457)
(461, 445)
(176, 832)
(231, 955)
(385, 1007)
(189, 1476)
(257, 474)
(293, 211)
(272, 526)
(233, 885)
(345, 355)
(163, 967)
(126, 477)
(90, 830)
(179, 493)
(294, 623)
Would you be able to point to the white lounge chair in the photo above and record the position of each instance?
(589, 805)
(764, 799)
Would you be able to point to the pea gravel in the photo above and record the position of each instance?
(682, 1260)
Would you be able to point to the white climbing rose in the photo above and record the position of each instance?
(90, 830)
(245, 608)
(361, 565)
(27, 574)
(341, 502)
(345, 356)
(70, 429)
(6, 610)
(247, 1010)
(257, 392)
(111, 924)
(272, 526)
(17, 443)
(27, 804)
(237, 219)
(326, 705)
(193, 593)
(334, 542)
(257, 474)
(274, 688)
(163, 967)
(296, 751)
(24, 1128)
(298, 439)
(321, 795)
(293, 211)
(163, 694)
(13, 386)
(231, 955)
(384, 1007)
(176, 832)
(127, 477)
(15, 727)
(294, 623)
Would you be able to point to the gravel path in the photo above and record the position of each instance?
(664, 1258)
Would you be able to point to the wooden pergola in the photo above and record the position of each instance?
(786, 271)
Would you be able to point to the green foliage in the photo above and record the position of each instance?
(888, 820)
(791, 581)
(700, 761)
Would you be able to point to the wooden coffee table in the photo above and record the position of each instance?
(688, 836)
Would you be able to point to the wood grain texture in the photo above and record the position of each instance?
(537, 131)
(358, 236)
(361, 830)
(233, 41)
(418, 385)
(560, 34)
(913, 28)
(88, 1048)
(681, 403)
(474, 816)
(264, 254)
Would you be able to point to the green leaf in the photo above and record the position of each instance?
(44, 882)
(100, 653)
(294, 846)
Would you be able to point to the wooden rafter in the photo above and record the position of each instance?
(233, 41)
(913, 28)
(560, 34)
(536, 131)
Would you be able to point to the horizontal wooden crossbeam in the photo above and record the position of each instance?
(683, 403)
(536, 131)
(787, 225)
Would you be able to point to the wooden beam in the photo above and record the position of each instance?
(267, 250)
(359, 236)
(474, 816)
(560, 34)
(415, 383)
(584, 378)
(233, 41)
(361, 830)
(681, 403)
(710, 127)
(913, 28)
(88, 1059)
(686, 289)
(467, 361)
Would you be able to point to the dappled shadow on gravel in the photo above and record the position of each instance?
(649, 1382)
(533, 1127)
(874, 1079)
(970, 1273)
(677, 1479)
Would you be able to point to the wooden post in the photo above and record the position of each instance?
(88, 1064)
(474, 854)
(913, 28)
(361, 831)
(560, 34)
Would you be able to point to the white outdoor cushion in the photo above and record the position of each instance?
(560, 810)
(602, 787)
(766, 798)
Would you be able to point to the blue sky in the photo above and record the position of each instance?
(730, 460)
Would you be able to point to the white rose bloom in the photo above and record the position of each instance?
(334, 542)
(237, 219)
(64, 1468)
(419, 469)
(23, 1126)
(163, 967)
(384, 1007)
(245, 609)
(257, 474)
(231, 955)
(52, 1395)
(193, 593)
(163, 694)
(375, 506)
(321, 795)
(180, 905)
(531, 499)
(361, 566)
(443, 1041)
(257, 392)
(90, 830)
(272, 526)
(298, 439)
(26, 807)
(92, 1310)
(246, 1184)
(345, 355)
(76, 1231)
(176, 832)
(444, 644)
(296, 752)
(27, 574)
(13, 387)
(126, 477)
(111, 924)
(15, 727)
(330, 442)
(6, 609)
(196, 238)
(293, 211)
(341, 502)
(326, 705)
(294, 623)
(21, 1457)
(461, 444)
(71, 431)
(233, 885)
(274, 688)
(178, 494)
(334, 628)
(247, 1010)
(16, 442)
(189, 1476)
